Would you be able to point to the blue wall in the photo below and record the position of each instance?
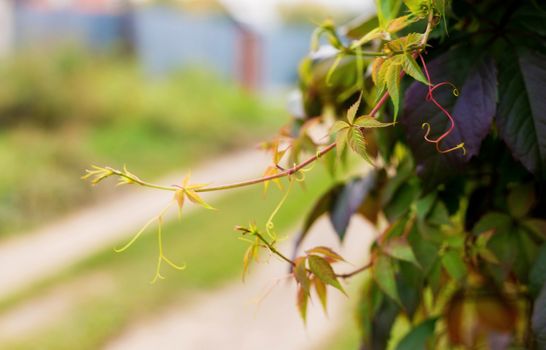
(40, 28)
(167, 39)
(282, 51)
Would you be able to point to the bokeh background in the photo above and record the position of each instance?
(162, 87)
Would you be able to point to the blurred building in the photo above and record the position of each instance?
(169, 35)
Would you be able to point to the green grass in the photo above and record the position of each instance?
(62, 114)
(205, 240)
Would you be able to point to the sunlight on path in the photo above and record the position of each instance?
(29, 258)
(230, 318)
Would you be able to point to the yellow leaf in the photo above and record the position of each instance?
(179, 197)
(194, 197)
(339, 125)
(270, 171)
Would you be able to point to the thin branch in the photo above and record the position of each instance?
(355, 272)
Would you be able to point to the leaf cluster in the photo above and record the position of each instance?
(461, 258)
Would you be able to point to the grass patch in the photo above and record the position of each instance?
(204, 240)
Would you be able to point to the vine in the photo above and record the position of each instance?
(465, 240)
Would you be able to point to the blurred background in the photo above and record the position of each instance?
(158, 86)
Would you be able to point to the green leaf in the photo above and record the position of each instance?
(520, 200)
(341, 141)
(411, 67)
(499, 222)
(369, 122)
(351, 113)
(359, 27)
(424, 250)
(417, 337)
(333, 68)
(322, 270)
(416, 7)
(439, 214)
(399, 248)
(424, 205)
(402, 200)
(453, 263)
(536, 226)
(537, 276)
(383, 274)
(387, 10)
(358, 143)
(392, 78)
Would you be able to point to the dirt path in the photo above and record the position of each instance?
(230, 318)
(29, 258)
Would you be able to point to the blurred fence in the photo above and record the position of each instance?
(166, 39)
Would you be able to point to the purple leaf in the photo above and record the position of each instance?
(348, 201)
(521, 118)
(472, 110)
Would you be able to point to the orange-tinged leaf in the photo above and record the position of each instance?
(323, 270)
(300, 273)
(399, 23)
(496, 314)
(269, 172)
(454, 318)
(376, 66)
(179, 197)
(322, 292)
(302, 299)
(376, 33)
(326, 252)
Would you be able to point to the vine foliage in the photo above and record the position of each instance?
(446, 103)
